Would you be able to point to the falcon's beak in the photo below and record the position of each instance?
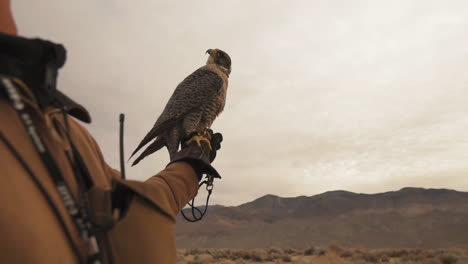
(210, 51)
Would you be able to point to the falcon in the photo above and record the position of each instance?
(192, 108)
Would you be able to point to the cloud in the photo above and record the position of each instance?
(362, 96)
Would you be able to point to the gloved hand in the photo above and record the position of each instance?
(199, 150)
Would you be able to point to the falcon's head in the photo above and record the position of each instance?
(220, 58)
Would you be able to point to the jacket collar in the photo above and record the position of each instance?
(36, 62)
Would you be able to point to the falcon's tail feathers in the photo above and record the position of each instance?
(154, 132)
(153, 147)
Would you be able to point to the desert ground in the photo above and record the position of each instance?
(324, 255)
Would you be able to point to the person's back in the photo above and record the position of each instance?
(58, 196)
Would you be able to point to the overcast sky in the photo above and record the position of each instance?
(364, 96)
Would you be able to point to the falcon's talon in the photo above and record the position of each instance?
(199, 139)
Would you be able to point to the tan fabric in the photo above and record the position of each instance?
(30, 230)
(7, 23)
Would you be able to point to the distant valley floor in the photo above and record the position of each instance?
(323, 255)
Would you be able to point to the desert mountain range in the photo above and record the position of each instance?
(410, 217)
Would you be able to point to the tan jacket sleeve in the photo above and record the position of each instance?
(169, 190)
(146, 234)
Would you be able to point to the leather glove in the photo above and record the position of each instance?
(199, 150)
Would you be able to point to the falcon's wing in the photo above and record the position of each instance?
(194, 91)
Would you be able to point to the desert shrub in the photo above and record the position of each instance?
(257, 256)
(245, 254)
(416, 251)
(384, 259)
(412, 257)
(251, 255)
(274, 251)
(290, 251)
(335, 248)
(321, 252)
(346, 254)
(428, 254)
(398, 253)
(369, 257)
(342, 252)
(237, 254)
(382, 256)
(221, 253)
(309, 252)
(448, 259)
(195, 251)
(180, 254)
(269, 258)
(195, 260)
(204, 258)
(286, 258)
